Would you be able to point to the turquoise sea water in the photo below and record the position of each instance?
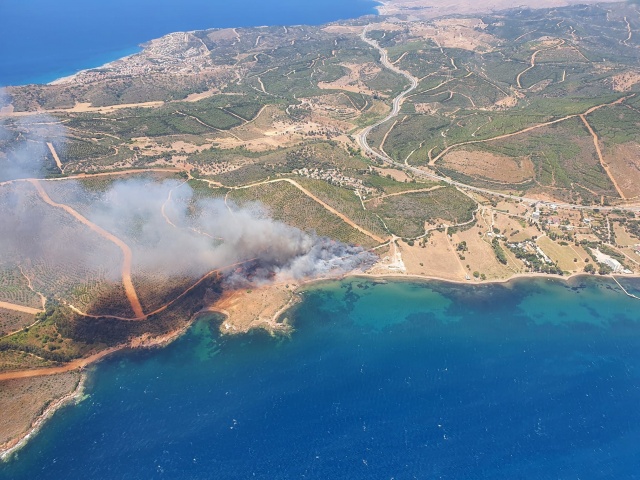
(41, 40)
(534, 379)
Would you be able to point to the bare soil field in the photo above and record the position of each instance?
(631, 254)
(624, 81)
(462, 33)
(436, 259)
(255, 308)
(563, 254)
(480, 255)
(146, 146)
(506, 224)
(12, 320)
(622, 236)
(353, 81)
(343, 29)
(273, 129)
(80, 108)
(492, 166)
(523, 234)
(624, 165)
(396, 174)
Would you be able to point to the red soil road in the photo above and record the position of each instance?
(328, 207)
(75, 365)
(533, 61)
(596, 144)
(132, 296)
(168, 304)
(55, 156)
(83, 362)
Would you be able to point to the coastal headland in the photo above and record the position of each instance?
(414, 145)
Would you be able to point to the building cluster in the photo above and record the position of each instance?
(612, 263)
(335, 177)
(176, 53)
(527, 249)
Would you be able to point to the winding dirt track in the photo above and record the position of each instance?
(362, 140)
(132, 296)
(596, 144)
(166, 202)
(74, 365)
(533, 61)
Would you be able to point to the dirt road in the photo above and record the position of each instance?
(19, 308)
(132, 296)
(343, 217)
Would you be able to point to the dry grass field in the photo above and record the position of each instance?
(495, 167)
(624, 163)
(23, 400)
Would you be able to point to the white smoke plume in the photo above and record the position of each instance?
(23, 149)
(197, 235)
(170, 231)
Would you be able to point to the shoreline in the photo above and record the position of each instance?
(380, 8)
(74, 397)
(67, 78)
(148, 342)
(377, 8)
(431, 278)
(512, 278)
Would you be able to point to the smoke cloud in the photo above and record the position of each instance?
(170, 230)
(23, 149)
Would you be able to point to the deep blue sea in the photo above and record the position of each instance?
(534, 379)
(41, 40)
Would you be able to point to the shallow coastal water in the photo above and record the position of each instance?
(531, 379)
(41, 40)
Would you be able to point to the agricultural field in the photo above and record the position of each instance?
(347, 202)
(286, 203)
(12, 320)
(407, 215)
